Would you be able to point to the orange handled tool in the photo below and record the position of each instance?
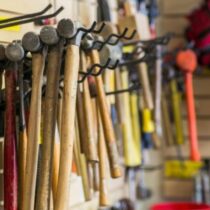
(187, 62)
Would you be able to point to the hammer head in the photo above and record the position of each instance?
(2, 52)
(14, 52)
(49, 35)
(113, 52)
(66, 28)
(31, 42)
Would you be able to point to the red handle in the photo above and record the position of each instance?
(10, 155)
(192, 126)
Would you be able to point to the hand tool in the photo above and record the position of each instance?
(131, 20)
(49, 37)
(187, 62)
(14, 53)
(106, 121)
(91, 149)
(31, 42)
(68, 30)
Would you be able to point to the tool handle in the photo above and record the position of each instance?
(49, 122)
(10, 150)
(68, 121)
(88, 117)
(144, 79)
(106, 122)
(38, 63)
(192, 127)
(103, 193)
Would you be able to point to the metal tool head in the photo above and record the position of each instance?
(2, 52)
(14, 52)
(49, 35)
(87, 42)
(31, 42)
(66, 28)
(113, 52)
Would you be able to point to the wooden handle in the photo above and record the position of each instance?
(81, 122)
(107, 123)
(67, 129)
(10, 150)
(49, 122)
(144, 79)
(192, 126)
(83, 166)
(91, 152)
(103, 192)
(38, 63)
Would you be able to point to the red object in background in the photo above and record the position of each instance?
(187, 62)
(10, 152)
(180, 206)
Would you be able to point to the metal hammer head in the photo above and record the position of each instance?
(14, 52)
(66, 28)
(2, 52)
(49, 35)
(113, 52)
(31, 42)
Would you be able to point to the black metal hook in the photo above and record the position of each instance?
(26, 16)
(21, 22)
(100, 44)
(101, 69)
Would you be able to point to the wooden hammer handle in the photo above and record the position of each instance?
(68, 122)
(49, 122)
(106, 121)
(38, 63)
(144, 79)
(88, 117)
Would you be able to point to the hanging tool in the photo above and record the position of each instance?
(73, 33)
(31, 42)
(49, 37)
(187, 62)
(15, 53)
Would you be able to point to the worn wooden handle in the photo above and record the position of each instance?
(103, 192)
(106, 121)
(144, 79)
(88, 117)
(67, 129)
(49, 122)
(38, 63)
(10, 150)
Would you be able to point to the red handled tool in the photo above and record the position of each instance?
(187, 62)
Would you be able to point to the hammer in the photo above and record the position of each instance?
(67, 30)
(31, 42)
(49, 37)
(14, 53)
